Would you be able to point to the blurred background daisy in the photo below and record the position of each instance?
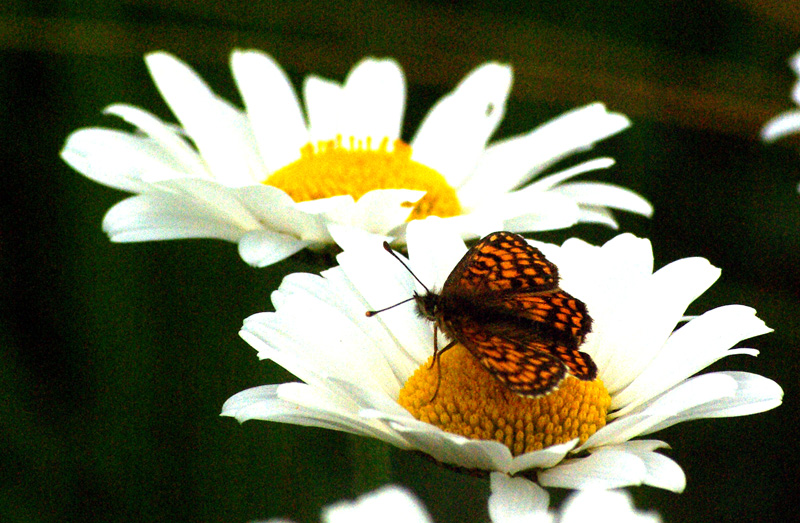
(116, 359)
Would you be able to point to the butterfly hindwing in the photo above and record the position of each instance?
(530, 368)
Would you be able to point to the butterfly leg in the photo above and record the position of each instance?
(435, 361)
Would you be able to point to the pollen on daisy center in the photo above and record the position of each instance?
(473, 403)
(334, 169)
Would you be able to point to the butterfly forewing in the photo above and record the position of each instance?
(502, 262)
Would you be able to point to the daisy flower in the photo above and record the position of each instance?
(273, 176)
(373, 376)
(516, 500)
(513, 500)
(391, 504)
(788, 122)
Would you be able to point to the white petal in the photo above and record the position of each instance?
(323, 100)
(275, 210)
(263, 247)
(383, 282)
(164, 216)
(435, 250)
(221, 132)
(662, 472)
(267, 403)
(629, 464)
(606, 195)
(511, 163)
(517, 500)
(753, 394)
(536, 211)
(390, 504)
(781, 125)
(542, 459)
(686, 396)
(373, 101)
(601, 215)
(450, 448)
(552, 180)
(693, 347)
(453, 135)
(121, 160)
(382, 210)
(652, 307)
(606, 469)
(272, 107)
(164, 134)
(338, 350)
(603, 505)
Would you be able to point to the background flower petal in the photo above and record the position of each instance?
(272, 106)
(453, 135)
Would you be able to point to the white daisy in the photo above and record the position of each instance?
(788, 122)
(390, 504)
(513, 500)
(517, 500)
(273, 176)
(356, 371)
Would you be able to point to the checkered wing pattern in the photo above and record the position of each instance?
(503, 302)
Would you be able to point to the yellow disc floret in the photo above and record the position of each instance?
(473, 403)
(333, 169)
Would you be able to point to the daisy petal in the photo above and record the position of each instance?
(609, 505)
(453, 135)
(373, 101)
(164, 216)
(780, 126)
(606, 195)
(323, 100)
(272, 107)
(120, 160)
(382, 210)
(693, 347)
(220, 131)
(688, 395)
(513, 162)
(165, 135)
(262, 248)
(606, 469)
(588, 214)
(388, 504)
(753, 394)
(516, 498)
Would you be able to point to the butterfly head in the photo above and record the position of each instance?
(428, 305)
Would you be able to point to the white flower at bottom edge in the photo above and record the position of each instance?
(517, 500)
(274, 176)
(353, 367)
(513, 500)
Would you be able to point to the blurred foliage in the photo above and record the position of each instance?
(116, 359)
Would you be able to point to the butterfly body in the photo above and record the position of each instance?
(503, 303)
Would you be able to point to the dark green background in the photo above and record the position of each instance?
(116, 359)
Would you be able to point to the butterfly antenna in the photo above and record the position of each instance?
(389, 249)
(373, 313)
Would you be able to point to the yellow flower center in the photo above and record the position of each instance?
(473, 403)
(333, 169)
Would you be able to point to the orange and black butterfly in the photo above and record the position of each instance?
(503, 303)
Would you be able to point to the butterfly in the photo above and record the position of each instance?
(503, 303)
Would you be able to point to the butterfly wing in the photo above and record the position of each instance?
(502, 262)
(525, 368)
(556, 314)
